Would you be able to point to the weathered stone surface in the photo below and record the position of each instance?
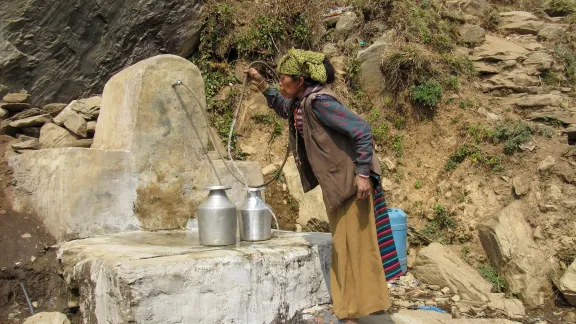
(483, 67)
(60, 56)
(539, 60)
(521, 185)
(470, 7)
(546, 164)
(348, 22)
(498, 49)
(533, 101)
(154, 277)
(517, 81)
(472, 34)
(47, 318)
(554, 115)
(88, 108)
(27, 113)
(270, 168)
(436, 264)
(87, 142)
(508, 242)
(16, 97)
(31, 121)
(14, 107)
(52, 136)
(76, 124)
(54, 108)
(516, 16)
(145, 168)
(4, 113)
(33, 144)
(330, 50)
(369, 75)
(311, 203)
(91, 127)
(551, 32)
(567, 284)
(524, 27)
(513, 307)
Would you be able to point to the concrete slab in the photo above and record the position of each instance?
(167, 277)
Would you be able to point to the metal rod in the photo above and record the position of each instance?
(27, 298)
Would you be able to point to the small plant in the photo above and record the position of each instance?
(263, 118)
(450, 165)
(499, 284)
(549, 77)
(442, 217)
(569, 58)
(381, 133)
(428, 94)
(398, 146)
(399, 123)
(490, 19)
(513, 134)
(545, 131)
(418, 185)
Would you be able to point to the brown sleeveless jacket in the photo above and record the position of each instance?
(327, 157)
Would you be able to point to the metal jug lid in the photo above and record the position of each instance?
(224, 187)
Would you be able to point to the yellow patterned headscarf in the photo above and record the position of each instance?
(302, 63)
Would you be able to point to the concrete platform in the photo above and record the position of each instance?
(167, 277)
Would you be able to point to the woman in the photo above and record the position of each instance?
(333, 147)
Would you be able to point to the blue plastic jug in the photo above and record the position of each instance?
(399, 227)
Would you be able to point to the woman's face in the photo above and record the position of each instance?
(289, 87)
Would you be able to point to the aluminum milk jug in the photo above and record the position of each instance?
(217, 221)
(255, 217)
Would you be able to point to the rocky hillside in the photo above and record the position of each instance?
(472, 105)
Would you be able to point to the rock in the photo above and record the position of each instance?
(524, 27)
(247, 149)
(507, 240)
(498, 49)
(520, 185)
(387, 184)
(546, 164)
(411, 258)
(60, 57)
(87, 142)
(24, 138)
(402, 303)
(569, 317)
(534, 101)
(86, 108)
(455, 298)
(554, 115)
(445, 290)
(516, 16)
(14, 107)
(27, 113)
(469, 7)
(486, 68)
(567, 284)
(348, 22)
(433, 287)
(369, 75)
(31, 121)
(311, 203)
(52, 135)
(513, 307)
(436, 264)
(400, 292)
(91, 127)
(270, 168)
(390, 165)
(541, 61)
(16, 98)
(54, 108)
(33, 144)
(537, 234)
(431, 303)
(26, 235)
(47, 318)
(551, 32)
(472, 34)
(489, 115)
(516, 80)
(4, 113)
(330, 50)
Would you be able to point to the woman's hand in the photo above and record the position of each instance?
(363, 186)
(256, 79)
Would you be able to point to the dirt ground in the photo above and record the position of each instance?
(27, 258)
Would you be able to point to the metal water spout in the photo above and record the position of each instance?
(255, 217)
(217, 222)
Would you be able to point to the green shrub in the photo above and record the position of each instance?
(428, 94)
(559, 7)
(407, 64)
(499, 284)
(418, 185)
(398, 146)
(381, 133)
(568, 57)
(513, 134)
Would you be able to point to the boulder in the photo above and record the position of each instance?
(54, 108)
(535, 101)
(508, 242)
(472, 34)
(554, 115)
(4, 113)
(311, 203)
(52, 135)
(33, 144)
(76, 125)
(31, 121)
(91, 127)
(16, 97)
(87, 108)
(567, 284)
(14, 107)
(541, 61)
(348, 22)
(546, 164)
(369, 75)
(27, 113)
(498, 49)
(47, 318)
(551, 32)
(72, 49)
(513, 307)
(330, 50)
(438, 265)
